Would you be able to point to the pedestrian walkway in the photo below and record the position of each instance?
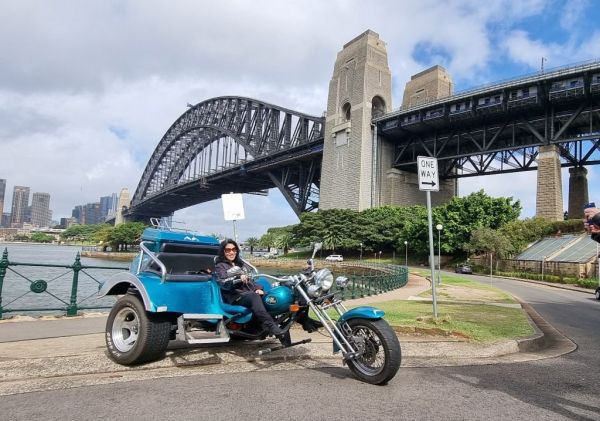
(70, 352)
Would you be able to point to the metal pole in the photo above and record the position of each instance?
(431, 254)
(3, 266)
(439, 257)
(72, 309)
(543, 261)
(406, 254)
(491, 268)
(235, 232)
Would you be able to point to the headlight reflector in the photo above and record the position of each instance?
(324, 279)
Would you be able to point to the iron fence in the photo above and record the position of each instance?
(364, 279)
(26, 292)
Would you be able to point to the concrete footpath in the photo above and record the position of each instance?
(42, 354)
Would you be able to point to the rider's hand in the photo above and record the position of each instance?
(260, 292)
(244, 278)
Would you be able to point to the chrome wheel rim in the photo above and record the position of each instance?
(125, 329)
(371, 358)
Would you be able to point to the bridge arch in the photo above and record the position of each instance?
(224, 136)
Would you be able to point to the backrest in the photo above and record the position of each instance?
(180, 263)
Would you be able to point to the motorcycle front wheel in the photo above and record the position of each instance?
(379, 353)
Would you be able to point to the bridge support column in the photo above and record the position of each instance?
(578, 191)
(360, 88)
(549, 184)
(399, 187)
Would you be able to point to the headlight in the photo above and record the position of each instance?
(324, 279)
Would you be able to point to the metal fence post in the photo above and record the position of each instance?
(3, 266)
(72, 309)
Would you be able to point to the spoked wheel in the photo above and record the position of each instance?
(134, 336)
(378, 347)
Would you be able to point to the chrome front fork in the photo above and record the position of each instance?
(329, 324)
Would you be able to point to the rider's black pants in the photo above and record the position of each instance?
(254, 302)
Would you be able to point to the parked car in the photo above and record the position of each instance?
(335, 258)
(463, 268)
(597, 293)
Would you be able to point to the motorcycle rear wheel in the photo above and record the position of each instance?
(134, 336)
(379, 350)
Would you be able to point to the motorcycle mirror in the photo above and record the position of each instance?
(316, 249)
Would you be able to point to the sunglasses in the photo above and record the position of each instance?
(230, 249)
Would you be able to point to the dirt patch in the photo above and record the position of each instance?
(430, 332)
(461, 293)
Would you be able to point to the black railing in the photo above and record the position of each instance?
(45, 295)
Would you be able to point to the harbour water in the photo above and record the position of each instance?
(17, 293)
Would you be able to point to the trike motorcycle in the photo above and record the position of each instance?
(171, 293)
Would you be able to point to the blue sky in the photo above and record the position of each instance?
(89, 88)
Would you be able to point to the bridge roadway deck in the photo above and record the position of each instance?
(40, 355)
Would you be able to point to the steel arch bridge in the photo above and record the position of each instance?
(232, 144)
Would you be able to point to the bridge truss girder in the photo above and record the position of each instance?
(504, 143)
(231, 137)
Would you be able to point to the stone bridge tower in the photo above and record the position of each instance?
(357, 170)
(360, 88)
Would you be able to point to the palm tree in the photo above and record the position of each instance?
(283, 241)
(331, 238)
(252, 242)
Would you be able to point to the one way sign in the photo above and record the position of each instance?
(428, 173)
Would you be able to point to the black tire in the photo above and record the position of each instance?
(378, 344)
(134, 336)
(597, 293)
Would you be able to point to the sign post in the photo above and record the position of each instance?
(427, 170)
(233, 209)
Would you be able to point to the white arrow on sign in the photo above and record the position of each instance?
(427, 169)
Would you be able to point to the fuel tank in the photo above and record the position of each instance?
(277, 300)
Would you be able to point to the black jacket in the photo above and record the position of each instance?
(230, 289)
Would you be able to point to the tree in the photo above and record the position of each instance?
(40, 237)
(487, 240)
(521, 233)
(283, 240)
(81, 232)
(252, 242)
(463, 215)
(127, 234)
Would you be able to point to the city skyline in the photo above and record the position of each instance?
(39, 206)
(100, 119)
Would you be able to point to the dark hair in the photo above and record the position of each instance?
(221, 256)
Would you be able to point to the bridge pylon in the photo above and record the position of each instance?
(360, 89)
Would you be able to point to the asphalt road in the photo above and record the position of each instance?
(566, 387)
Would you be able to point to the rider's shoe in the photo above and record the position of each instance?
(273, 330)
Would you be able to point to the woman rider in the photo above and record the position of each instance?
(247, 293)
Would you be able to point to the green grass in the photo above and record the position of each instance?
(466, 309)
(475, 322)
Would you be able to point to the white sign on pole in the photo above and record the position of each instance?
(233, 206)
(427, 169)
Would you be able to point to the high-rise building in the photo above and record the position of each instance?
(106, 205)
(20, 201)
(78, 214)
(41, 215)
(2, 191)
(93, 214)
(5, 222)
